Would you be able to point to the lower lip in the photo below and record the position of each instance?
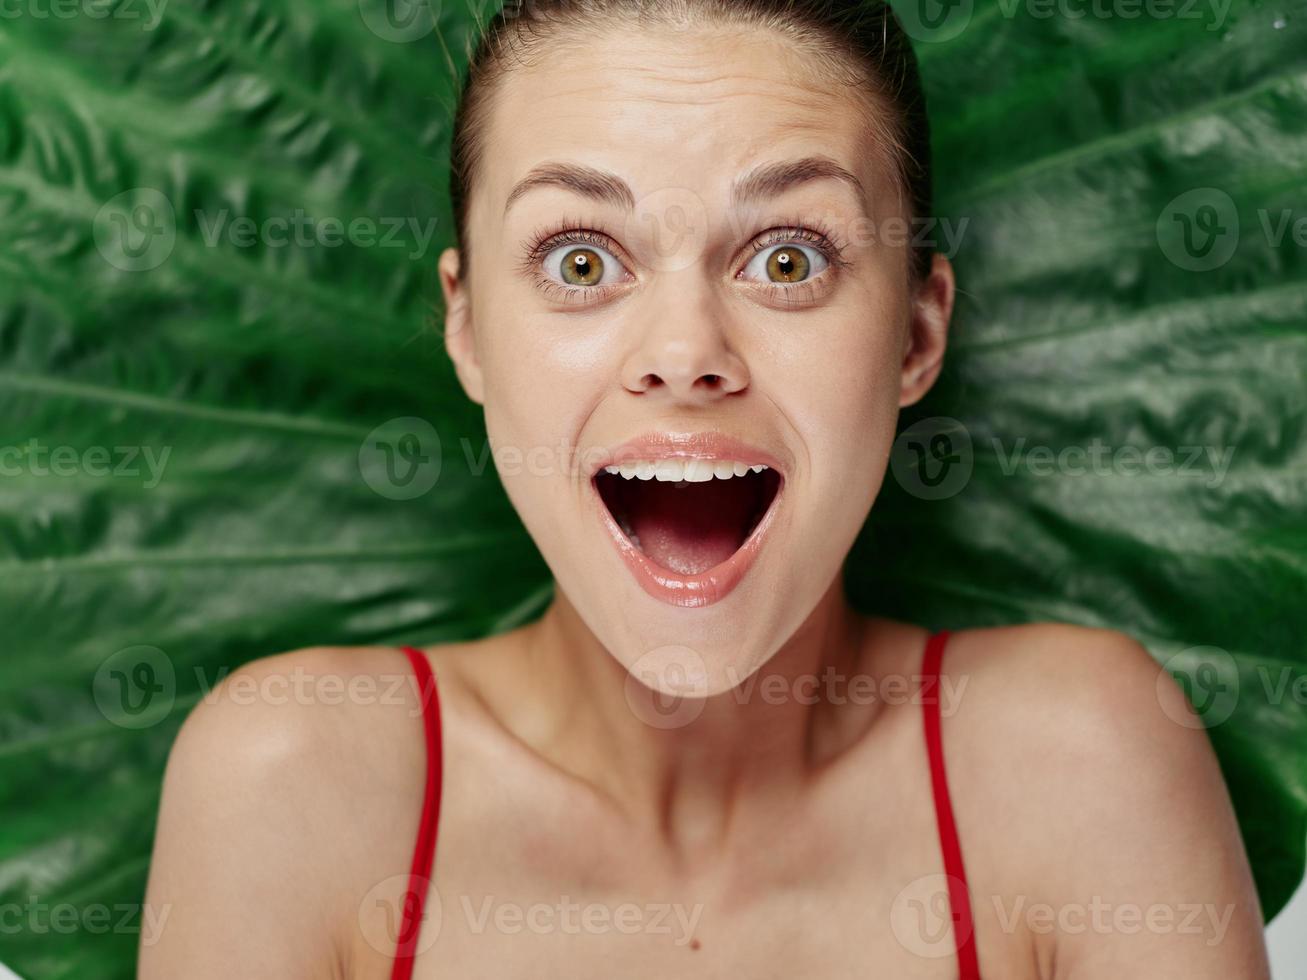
(689, 591)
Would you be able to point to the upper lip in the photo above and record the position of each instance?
(687, 445)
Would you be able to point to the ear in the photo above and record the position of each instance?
(460, 342)
(923, 355)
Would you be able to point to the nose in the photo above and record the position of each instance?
(686, 354)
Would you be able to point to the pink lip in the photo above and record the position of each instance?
(719, 581)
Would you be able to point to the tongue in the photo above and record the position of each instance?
(691, 528)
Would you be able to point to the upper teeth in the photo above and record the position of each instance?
(676, 470)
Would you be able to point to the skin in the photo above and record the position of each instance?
(781, 836)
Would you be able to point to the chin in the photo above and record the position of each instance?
(683, 557)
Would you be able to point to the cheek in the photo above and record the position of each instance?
(541, 357)
(859, 382)
(844, 379)
(543, 377)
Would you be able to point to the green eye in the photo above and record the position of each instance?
(786, 263)
(582, 267)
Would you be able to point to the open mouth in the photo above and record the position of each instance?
(687, 516)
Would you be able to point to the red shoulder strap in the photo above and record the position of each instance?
(419, 878)
(959, 899)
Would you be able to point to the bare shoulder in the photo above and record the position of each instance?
(1047, 669)
(1075, 709)
(1018, 673)
(341, 706)
(299, 774)
(277, 716)
(1117, 821)
(312, 726)
(1088, 701)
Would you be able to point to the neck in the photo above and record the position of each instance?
(759, 740)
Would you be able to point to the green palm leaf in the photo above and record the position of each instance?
(201, 452)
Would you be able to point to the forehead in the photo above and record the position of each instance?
(671, 108)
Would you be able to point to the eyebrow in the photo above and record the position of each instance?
(766, 180)
(599, 185)
(772, 179)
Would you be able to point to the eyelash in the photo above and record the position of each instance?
(571, 231)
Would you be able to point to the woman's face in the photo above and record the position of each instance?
(639, 286)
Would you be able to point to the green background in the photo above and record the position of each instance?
(262, 371)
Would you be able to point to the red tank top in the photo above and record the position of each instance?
(958, 897)
(419, 877)
(424, 851)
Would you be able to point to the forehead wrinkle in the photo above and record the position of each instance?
(808, 101)
(799, 104)
(784, 115)
(692, 61)
(758, 167)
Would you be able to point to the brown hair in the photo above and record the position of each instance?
(859, 41)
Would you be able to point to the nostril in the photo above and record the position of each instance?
(704, 382)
